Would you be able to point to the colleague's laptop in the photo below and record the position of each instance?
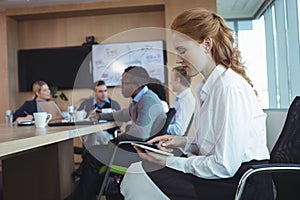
(57, 117)
(52, 108)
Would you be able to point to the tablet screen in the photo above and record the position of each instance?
(152, 149)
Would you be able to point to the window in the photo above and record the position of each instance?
(283, 52)
(250, 40)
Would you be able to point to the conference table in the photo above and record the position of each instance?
(37, 163)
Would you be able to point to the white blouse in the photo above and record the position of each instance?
(229, 128)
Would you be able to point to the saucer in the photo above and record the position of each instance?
(25, 123)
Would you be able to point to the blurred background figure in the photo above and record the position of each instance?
(41, 92)
(93, 106)
(184, 103)
(147, 116)
(158, 88)
(100, 100)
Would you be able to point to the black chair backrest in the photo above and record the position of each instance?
(287, 150)
(189, 126)
(170, 115)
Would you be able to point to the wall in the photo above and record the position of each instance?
(4, 91)
(72, 31)
(12, 44)
(67, 25)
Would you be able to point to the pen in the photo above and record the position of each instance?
(95, 110)
(26, 113)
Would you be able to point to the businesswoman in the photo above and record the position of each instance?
(41, 93)
(229, 124)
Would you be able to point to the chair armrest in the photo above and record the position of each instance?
(264, 168)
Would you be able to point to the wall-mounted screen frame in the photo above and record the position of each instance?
(110, 60)
(59, 67)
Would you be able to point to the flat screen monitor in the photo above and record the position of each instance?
(58, 67)
(110, 60)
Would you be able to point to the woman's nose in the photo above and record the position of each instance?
(179, 60)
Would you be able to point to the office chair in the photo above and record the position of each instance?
(284, 159)
(81, 150)
(119, 170)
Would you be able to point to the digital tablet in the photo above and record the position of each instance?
(143, 146)
(153, 145)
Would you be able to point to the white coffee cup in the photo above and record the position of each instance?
(42, 119)
(80, 115)
(106, 110)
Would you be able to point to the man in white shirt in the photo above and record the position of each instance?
(184, 103)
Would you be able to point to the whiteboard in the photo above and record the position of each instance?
(110, 60)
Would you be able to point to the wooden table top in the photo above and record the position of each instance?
(20, 138)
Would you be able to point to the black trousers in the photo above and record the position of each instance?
(181, 186)
(96, 157)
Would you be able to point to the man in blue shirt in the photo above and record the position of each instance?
(100, 100)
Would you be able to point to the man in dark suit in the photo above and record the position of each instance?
(147, 116)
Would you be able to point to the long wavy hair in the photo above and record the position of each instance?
(199, 24)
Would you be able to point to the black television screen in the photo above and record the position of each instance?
(110, 60)
(59, 67)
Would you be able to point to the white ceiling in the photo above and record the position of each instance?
(228, 9)
(239, 9)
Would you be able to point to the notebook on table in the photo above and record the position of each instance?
(62, 123)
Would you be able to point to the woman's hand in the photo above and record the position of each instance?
(168, 142)
(28, 117)
(165, 143)
(152, 157)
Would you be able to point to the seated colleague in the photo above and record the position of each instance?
(100, 100)
(157, 87)
(147, 116)
(230, 133)
(184, 103)
(41, 93)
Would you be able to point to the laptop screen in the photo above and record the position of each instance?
(52, 108)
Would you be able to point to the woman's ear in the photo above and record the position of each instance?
(207, 44)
